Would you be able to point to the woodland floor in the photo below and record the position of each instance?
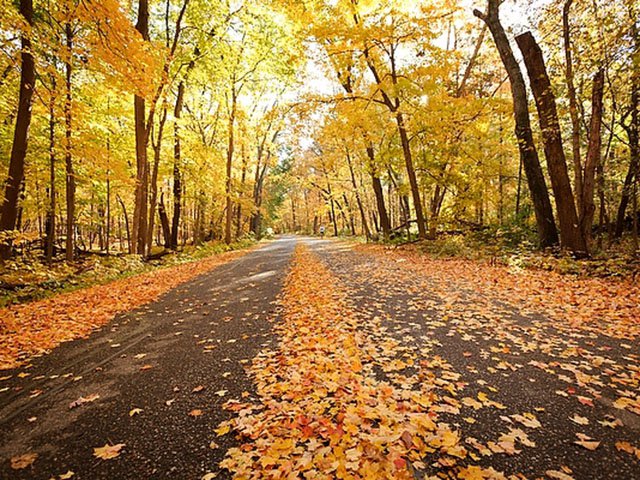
(309, 358)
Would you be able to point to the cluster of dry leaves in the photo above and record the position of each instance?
(596, 304)
(565, 308)
(331, 405)
(37, 327)
(580, 332)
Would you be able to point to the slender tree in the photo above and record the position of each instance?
(15, 177)
(547, 233)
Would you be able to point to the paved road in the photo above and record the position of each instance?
(200, 334)
(516, 358)
(204, 333)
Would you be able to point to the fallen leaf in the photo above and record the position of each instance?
(579, 420)
(585, 401)
(23, 461)
(108, 451)
(587, 444)
(625, 447)
(82, 400)
(558, 475)
(223, 429)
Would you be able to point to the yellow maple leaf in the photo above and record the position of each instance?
(108, 451)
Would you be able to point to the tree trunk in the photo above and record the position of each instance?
(587, 204)
(570, 235)
(164, 222)
(436, 206)
(547, 233)
(108, 212)
(633, 133)
(243, 178)
(333, 213)
(141, 135)
(626, 191)
(126, 221)
(573, 105)
(256, 217)
(177, 170)
(70, 174)
(363, 217)
(20, 135)
(177, 158)
(294, 226)
(411, 173)
(349, 221)
(51, 213)
(230, 147)
(153, 198)
(379, 194)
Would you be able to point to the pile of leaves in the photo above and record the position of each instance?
(35, 328)
(330, 404)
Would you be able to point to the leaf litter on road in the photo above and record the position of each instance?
(325, 409)
(36, 327)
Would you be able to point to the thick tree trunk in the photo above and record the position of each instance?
(587, 204)
(547, 233)
(570, 235)
(20, 134)
(70, 174)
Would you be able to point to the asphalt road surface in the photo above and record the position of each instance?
(180, 358)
